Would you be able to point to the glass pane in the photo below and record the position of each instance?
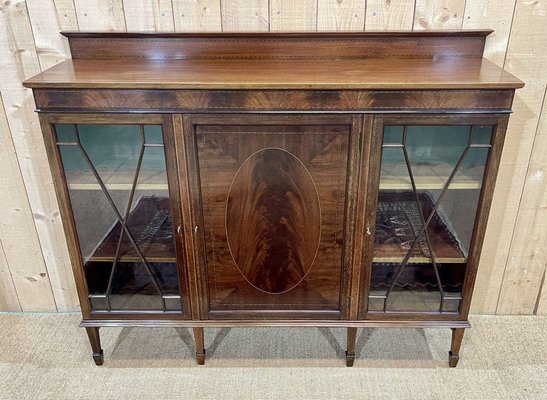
(153, 134)
(429, 193)
(66, 134)
(393, 135)
(482, 134)
(120, 200)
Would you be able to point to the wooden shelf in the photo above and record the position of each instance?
(428, 177)
(118, 179)
(134, 259)
(420, 260)
(427, 183)
(118, 186)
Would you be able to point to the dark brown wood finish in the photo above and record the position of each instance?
(327, 45)
(294, 171)
(454, 354)
(47, 122)
(327, 101)
(350, 352)
(360, 74)
(273, 152)
(273, 220)
(483, 210)
(200, 345)
(499, 122)
(362, 61)
(95, 341)
(423, 323)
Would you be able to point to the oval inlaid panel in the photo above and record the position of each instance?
(273, 220)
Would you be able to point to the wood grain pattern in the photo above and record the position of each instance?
(541, 306)
(51, 48)
(61, 189)
(385, 15)
(273, 220)
(335, 15)
(102, 15)
(224, 143)
(10, 177)
(295, 16)
(149, 15)
(66, 15)
(439, 14)
(245, 16)
(527, 259)
(274, 100)
(197, 15)
(488, 14)
(362, 186)
(483, 211)
(285, 46)
(499, 287)
(41, 266)
(188, 222)
(8, 294)
(374, 74)
(492, 14)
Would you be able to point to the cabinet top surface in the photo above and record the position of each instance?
(446, 60)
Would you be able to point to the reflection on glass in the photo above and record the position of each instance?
(430, 185)
(119, 194)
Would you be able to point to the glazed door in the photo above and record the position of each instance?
(271, 198)
(434, 180)
(119, 195)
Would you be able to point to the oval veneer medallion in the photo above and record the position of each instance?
(273, 220)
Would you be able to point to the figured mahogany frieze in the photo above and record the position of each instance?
(169, 101)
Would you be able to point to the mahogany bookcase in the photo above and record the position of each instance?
(275, 179)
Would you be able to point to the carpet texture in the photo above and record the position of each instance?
(46, 356)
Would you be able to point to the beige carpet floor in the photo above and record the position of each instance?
(46, 356)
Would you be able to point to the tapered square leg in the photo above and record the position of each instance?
(350, 352)
(200, 347)
(454, 354)
(95, 341)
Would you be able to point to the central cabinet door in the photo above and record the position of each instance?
(272, 195)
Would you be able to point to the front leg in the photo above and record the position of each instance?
(95, 341)
(200, 346)
(350, 352)
(454, 354)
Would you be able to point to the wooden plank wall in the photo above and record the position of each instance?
(34, 266)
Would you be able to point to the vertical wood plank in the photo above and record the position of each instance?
(526, 58)
(66, 15)
(438, 14)
(12, 204)
(51, 47)
(245, 15)
(340, 15)
(290, 15)
(31, 276)
(148, 15)
(491, 14)
(385, 15)
(197, 15)
(527, 258)
(8, 294)
(541, 308)
(24, 270)
(100, 15)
